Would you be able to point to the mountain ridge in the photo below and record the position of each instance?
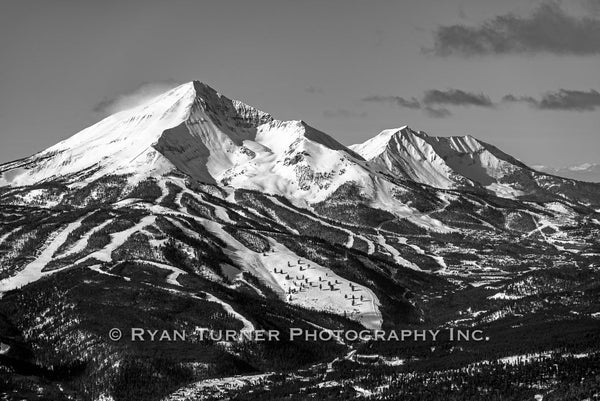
(214, 139)
(406, 152)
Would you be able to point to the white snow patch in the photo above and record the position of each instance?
(164, 190)
(6, 235)
(394, 362)
(505, 296)
(516, 359)
(440, 260)
(216, 386)
(4, 348)
(97, 269)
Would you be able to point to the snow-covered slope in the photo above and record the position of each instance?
(442, 162)
(120, 144)
(192, 128)
(202, 133)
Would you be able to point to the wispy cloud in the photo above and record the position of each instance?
(134, 97)
(548, 29)
(313, 90)
(433, 99)
(563, 99)
(411, 103)
(437, 112)
(344, 113)
(525, 99)
(456, 97)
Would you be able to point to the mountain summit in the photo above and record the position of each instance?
(199, 132)
(194, 130)
(442, 162)
(148, 139)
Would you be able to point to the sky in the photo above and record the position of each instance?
(522, 75)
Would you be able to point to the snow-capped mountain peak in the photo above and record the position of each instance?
(202, 133)
(137, 141)
(378, 144)
(442, 162)
(119, 143)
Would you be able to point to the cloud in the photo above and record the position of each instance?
(548, 29)
(563, 99)
(456, 97)
(432, 99)
(525, 99)
(437, 112)
(411, 103)
(133, 98)
(314, 90)
(435, 102)
(343, 113)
